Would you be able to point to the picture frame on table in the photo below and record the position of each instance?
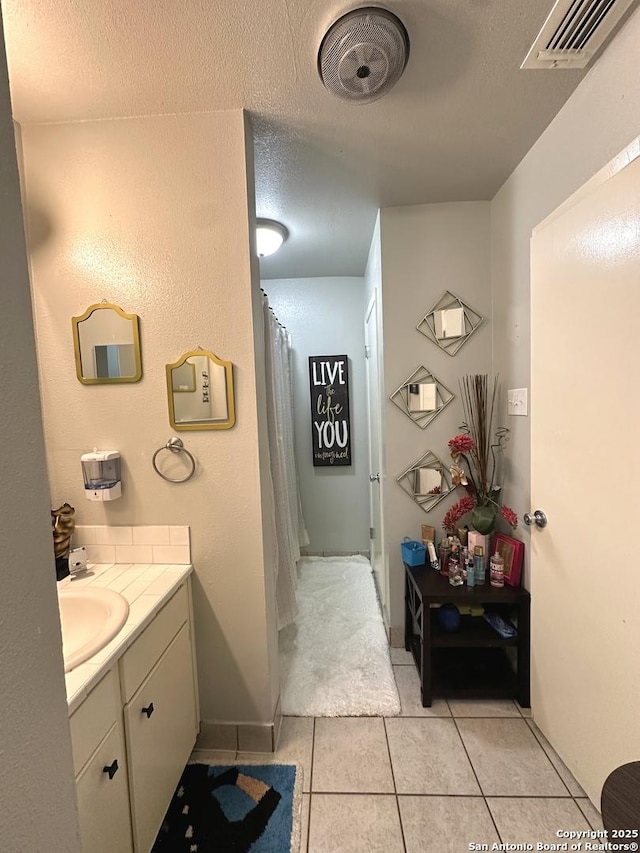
(428, 534)
(512, 552)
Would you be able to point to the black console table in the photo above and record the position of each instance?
(475, 661)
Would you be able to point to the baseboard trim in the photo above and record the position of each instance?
(241, 737)
(396, 637)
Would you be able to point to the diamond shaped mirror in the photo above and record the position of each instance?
(450, 323)
(422, 396)
(427, 481)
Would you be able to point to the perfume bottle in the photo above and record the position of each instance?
(444, 557)
(471, 578)
(455, 567)
(464, 562)
(479, 573)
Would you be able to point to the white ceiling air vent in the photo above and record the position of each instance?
(573, 32)
(363, 54)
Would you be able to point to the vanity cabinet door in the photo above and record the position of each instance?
(103, 798)
(161, 729)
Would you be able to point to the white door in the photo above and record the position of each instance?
(376, 531)
(585, 475)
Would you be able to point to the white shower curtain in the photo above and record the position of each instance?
(290, 531)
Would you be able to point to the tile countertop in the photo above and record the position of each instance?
(147, 588)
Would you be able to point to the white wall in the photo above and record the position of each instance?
(154, 215)
(599, 120)
(325, 316)
(36, 770)
(426, 249)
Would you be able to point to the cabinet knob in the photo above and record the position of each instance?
(148, 710)
(111, 769)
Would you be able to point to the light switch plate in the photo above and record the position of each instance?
(517, 402)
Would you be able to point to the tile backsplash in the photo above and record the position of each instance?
(137, 544)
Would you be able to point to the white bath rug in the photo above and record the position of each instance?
(334, 659)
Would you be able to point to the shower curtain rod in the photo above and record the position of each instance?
(282, 326)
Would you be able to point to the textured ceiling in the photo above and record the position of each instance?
(453, 128)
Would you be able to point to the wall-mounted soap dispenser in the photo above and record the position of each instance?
(101, 472)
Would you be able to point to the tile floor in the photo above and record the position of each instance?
(433, 780)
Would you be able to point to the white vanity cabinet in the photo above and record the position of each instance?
(143, 715)
(100, 763)
(160, 715)
(103, 798)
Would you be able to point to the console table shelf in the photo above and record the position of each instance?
(474, 632)
(473, 661)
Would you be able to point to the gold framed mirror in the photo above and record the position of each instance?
(200, 392)
(106, 341)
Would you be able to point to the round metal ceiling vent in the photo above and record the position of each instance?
(363, 54)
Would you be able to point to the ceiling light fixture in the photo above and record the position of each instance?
(270, 235)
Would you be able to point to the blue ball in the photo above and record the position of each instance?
(449, 618)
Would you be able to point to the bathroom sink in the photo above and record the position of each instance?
(90, 619)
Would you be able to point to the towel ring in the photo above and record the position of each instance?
(175, 445)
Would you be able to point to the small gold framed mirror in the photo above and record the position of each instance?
(106, 341)
(200, 392)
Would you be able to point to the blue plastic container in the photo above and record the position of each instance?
(413, 553)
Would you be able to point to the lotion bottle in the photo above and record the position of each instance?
(497, 570)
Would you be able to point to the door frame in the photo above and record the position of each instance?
(372, 315)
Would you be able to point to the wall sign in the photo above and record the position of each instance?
(330, 427)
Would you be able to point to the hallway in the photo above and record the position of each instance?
(434, 780)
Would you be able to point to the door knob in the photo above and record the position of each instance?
(538, 518)
(374, 478)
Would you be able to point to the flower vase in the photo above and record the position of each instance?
(483, 519)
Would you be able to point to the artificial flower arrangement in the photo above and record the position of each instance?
(474, 460)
